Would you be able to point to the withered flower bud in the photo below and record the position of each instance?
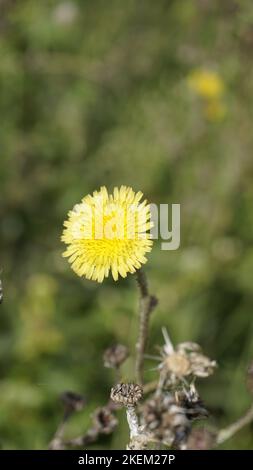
(104, 420)
(126, 394)
(115, 355)
(72, 401)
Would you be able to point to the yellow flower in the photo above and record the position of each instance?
(108, 232)
(206, 83)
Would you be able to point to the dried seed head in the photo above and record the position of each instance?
(126, 394)
(115, 355)
(201, 365)
(165, 419)
(188, 346)
(72, 401)
(183, 360)
(104, 420)
(178, 364)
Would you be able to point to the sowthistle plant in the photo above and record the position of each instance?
(111, 233)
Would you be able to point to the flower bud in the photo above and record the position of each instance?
(126, 394)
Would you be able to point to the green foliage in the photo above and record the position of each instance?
(96, 94)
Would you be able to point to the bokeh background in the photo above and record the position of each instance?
(152, 94)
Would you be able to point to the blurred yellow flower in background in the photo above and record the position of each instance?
(209, 86)
(206, 83)
(108, 232)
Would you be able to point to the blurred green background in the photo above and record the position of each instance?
(102, 93)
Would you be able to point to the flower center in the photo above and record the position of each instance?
(178, 364)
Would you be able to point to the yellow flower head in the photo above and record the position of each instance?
(108, 232)
(206, 83)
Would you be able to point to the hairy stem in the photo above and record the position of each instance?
(147, 303)
(228, 432)
(139, 438)
(132, 421)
